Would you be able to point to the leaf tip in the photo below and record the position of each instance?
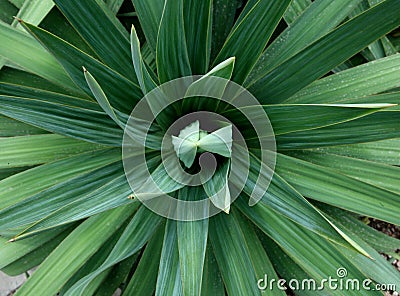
(18, 19)
(84, 69)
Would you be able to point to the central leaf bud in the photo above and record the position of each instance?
(192, 140)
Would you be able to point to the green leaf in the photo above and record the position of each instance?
(116, 277)
(38, 149)
(212, 283)
(380, 241)
(36, 257)
(379, 269)
(143, 76)
(393, 97)
(5, 173)
(94, 261)
(326, 53)
(11, 252)
(295, 9)
(250, 35)
(75, 122)
(30, 182)
(233, 257)
(260, 260)
(102, 99)
(74, 251)
(159, 182)
(101, 198)
(347, 193)
(216, 87)
(186, 143)
(169, 280)
(375, 49)
(26, 52)
(7, 11)
(385, 151)
(10, 78)
(192, 243)
(379, 175)
(114, 5)
(172, 56)
(287, 268)
(56, 23)
(150, 13)
(317, 20)
(17, 3)
(191, 138)
(147, 269)
(19, 90)
(36, 207)
(355, 83)
(375, 127)
(137, 233)
(219, 141)
(111, 45)
(116, 87)
(13, 128)
(312, 253)
(198, 25)
(291, 118)
(285, 200)
(223, 18)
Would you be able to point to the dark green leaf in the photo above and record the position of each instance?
(172, 56)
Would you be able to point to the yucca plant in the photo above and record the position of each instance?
(325, 72)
